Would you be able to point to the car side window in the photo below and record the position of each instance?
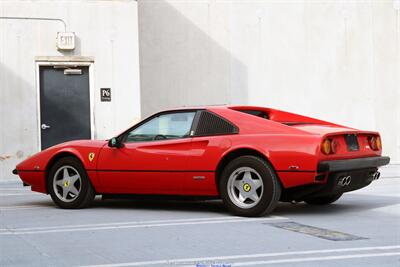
(212, 124)
(163, 127)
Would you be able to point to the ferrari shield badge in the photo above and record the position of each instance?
(246, 187)
(91, 156)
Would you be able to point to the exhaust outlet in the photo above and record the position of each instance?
(377, 175)
(344, 181)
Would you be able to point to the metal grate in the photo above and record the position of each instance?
(315, 231)
(211, 124)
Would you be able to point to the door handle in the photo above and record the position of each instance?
(44, 126)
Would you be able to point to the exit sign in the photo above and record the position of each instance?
(65, 41)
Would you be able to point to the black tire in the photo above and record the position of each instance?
(271, 186)
(86, 193)
(325, 200)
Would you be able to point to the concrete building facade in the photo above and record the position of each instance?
(106, 52)
(334, 60)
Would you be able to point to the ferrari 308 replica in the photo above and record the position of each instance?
(250, 157)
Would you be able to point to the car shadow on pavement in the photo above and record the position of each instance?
(215, 206)
(347, 204)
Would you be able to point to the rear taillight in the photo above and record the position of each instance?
(334, 146)
(375, 142)
(328, 146)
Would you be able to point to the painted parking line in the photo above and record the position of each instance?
(135, 224)
(22, 207)
(193, 261)
(132, 222)
(309, 259)
(15, 189)
(19, 194)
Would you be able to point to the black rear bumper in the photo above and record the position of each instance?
(337, 183)
(352, 164)
(341, 176)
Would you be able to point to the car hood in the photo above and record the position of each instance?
(78, 148)
(80, 143)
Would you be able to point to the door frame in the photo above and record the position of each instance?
(76, 61)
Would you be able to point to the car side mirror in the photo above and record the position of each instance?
(115, 142)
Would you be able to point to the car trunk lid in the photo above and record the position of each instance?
(320, 129)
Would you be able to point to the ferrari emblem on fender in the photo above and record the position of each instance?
(91, 156)
(246, 187)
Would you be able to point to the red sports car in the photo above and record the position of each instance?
(251, 157)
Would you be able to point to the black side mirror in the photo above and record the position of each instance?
(115, 142)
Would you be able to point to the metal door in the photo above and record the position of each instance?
(64, 105)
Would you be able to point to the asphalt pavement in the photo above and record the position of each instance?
(361, 229)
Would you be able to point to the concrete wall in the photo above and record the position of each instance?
(106, 31)
(334, 60)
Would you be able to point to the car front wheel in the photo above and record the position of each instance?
(249, 186)
(68, 184)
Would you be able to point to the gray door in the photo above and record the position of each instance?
(64, 105)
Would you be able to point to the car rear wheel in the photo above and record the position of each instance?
(249, 186)
(68, 184)
(325, 200)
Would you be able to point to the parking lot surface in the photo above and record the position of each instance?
(361, 229)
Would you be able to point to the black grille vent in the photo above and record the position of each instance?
(211, 124)
(352, 142)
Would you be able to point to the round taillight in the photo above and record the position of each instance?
(375, 143)
(372, 143)
(378, 143)
(334, 146)
(326, 147)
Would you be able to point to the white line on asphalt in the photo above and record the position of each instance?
(15, 189)
(130, 223)
(126, 225)
(327, 258)
(246, 256)
(6, 208)
(376, 194)
(18, 194)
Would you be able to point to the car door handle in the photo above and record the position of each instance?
(44, 126)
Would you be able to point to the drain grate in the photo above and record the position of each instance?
(315, 231)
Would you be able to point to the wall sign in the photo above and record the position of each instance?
(105, 94)
(65, 41)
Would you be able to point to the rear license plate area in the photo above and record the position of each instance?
(351, 142)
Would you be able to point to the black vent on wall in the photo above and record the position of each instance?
(211, 124)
